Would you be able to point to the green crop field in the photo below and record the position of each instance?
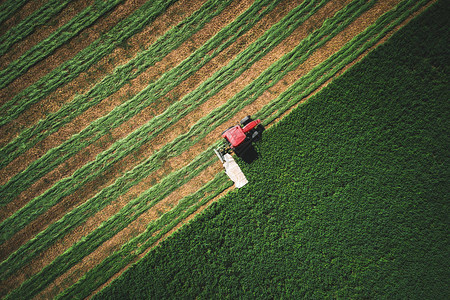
(108, 122)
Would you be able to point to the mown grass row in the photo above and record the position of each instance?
(102, 272)
(81, 62)
(130, 251)
(104, 197)
(168, 42)
(60, 36)
(133, 141)
(205, 126)
(9, 8)
(38, 18)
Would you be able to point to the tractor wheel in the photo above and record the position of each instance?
(246, 120)
(256, 136)
(260, 128)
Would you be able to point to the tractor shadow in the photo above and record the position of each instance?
(250, 155)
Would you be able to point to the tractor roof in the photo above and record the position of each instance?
(235, 135)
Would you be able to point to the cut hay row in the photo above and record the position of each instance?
(179, 175)
(81, 62)
(63, 34)
(22, 39)
(9, 7)
(38, 18)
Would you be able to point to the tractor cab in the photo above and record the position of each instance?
(235, 136)
(239, 139)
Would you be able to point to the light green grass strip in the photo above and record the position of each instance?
(171, 40)
(38, 52)
(120, 148)
(38, 18)
(9, 8)
(81, 62)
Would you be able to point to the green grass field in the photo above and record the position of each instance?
(349, 198)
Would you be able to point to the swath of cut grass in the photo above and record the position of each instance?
(38, 52)
(9, 7)
(27, 26)
(83, 60)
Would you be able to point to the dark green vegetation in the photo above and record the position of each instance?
(348, 199)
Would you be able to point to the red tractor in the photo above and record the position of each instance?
(239, 139)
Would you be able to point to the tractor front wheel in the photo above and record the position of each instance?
(246, 120)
